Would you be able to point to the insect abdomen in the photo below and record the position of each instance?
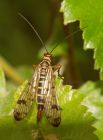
(40, 91)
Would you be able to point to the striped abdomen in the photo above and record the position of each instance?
(40, 91)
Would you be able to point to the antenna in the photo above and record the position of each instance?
(24, 18)
(67, 37)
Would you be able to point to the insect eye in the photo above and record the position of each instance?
(45, 54)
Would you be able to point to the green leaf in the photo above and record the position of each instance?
(94, 101)
(9, 128)
(90, 15)
(76, 121)
(25, 71)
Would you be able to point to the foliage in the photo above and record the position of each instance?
(81, 109)
(89, 13)
(75, 118)
(90, 22)
(94, 101)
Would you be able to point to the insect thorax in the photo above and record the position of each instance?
(45, 63)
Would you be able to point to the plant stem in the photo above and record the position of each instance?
(72, 71)
(10, 71)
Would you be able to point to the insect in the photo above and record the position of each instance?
(41, 88)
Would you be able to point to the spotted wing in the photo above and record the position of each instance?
(51, 107)
(27, 97)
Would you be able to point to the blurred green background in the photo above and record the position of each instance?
(20, 47)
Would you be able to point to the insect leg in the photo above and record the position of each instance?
(57, 68)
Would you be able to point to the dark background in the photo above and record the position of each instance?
(19, 45)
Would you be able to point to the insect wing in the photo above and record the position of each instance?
(52, 108)
(27, 97)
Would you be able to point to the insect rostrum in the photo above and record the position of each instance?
(41, 88)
